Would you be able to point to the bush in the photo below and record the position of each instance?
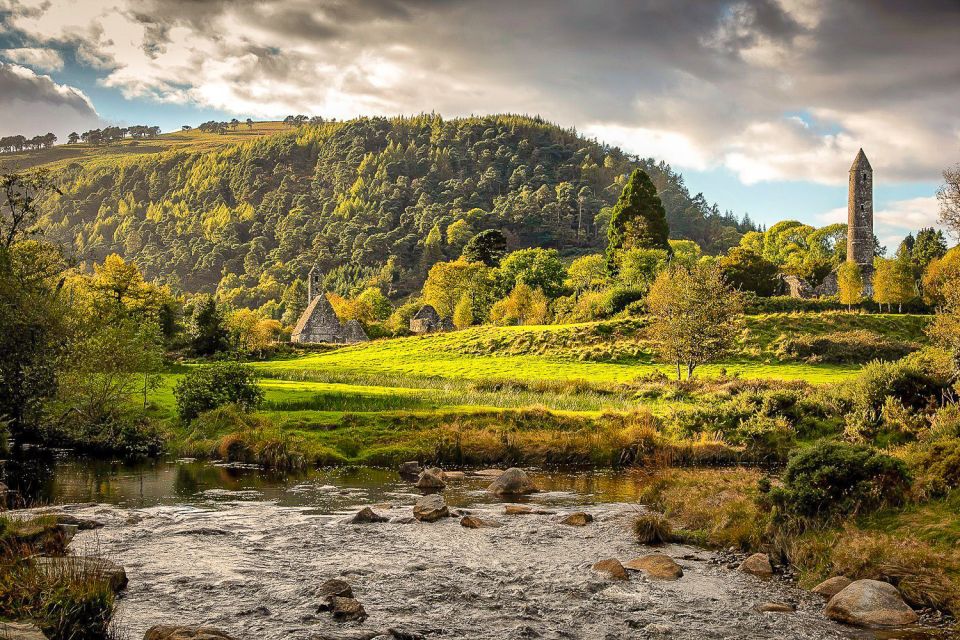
(126, 435)
(208, 387)
(936, 466)
(858, 346)
(652, 528)
(833, 479)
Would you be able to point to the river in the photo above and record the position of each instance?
(245, 551)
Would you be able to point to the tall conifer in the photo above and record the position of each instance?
(638, 220)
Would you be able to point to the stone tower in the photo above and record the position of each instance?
(860, 213)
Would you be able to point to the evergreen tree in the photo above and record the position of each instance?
(487, 247)
(638, 220)
(208, 330)
(929, 245)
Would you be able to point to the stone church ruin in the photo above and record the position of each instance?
(319, 322)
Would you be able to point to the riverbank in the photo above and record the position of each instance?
(231, 548)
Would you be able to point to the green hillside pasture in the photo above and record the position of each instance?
(59, 156)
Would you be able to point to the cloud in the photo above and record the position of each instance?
(38, 58)
(34, 104)
(770, 89)
(894, 219)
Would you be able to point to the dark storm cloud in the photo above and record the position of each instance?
(34, 104)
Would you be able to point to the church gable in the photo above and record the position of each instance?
(319, 323)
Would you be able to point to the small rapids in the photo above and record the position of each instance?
(247, 556)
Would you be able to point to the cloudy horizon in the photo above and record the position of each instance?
(761, 104)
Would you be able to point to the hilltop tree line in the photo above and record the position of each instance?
(12, 144)
(113, 134)
(357, 197)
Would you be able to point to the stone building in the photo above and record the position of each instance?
(860, 245)
(319, 322)
(427, 320)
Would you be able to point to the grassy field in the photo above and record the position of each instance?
(61, 155)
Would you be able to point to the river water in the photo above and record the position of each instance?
(245, 551)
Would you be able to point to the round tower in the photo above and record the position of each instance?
(860, 212)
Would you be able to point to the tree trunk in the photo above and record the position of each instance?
(679, 376)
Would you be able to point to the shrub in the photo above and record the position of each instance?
(211, 386)
(843, 347)
(127, 435)
(834, 479)
(936, 467)
(652, 528)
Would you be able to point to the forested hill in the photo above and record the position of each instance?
(250, 218)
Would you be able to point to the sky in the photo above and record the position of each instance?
(761, 104)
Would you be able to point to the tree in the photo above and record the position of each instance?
(208, 387)
(747, 270)
(939, 276)
(540, 268)
(251, 331)
(432, 249)
(525, 306)
(208, 331)
(949, 198)
(459, 234)
(249, 123)
(73, 138)
(463, 313)
(19, 213)
(448, 282)
(850, 284)
(893, 282)
(586, 273)
(928, 246)
(380, 307)
(695, 315)
(945, 329)
(640, 267)
(487, 247)
(638, 219)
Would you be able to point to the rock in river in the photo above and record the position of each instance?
(578, 519)
(473, 522)
(612, 568)
(430, 508)
(757, 565)
(431, 479)
(346, 609)
(84, 566)
(870, 603)
(832, 586)
(179, 632)
(512, 482)
(366, 516)
(335, 587)
(20, 631)
(656, 565)
(409, 469)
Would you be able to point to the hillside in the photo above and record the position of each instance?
(206, 212)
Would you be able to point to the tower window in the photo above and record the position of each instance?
(864, 175)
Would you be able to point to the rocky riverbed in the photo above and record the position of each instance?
(251, 557)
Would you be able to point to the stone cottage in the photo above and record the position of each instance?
(427, 320)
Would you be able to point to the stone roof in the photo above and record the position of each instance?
(427, 312)
(318, 312)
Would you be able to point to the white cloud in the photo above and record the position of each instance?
(34, 104)
(36, 57)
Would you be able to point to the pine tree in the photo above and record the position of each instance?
(638, 219)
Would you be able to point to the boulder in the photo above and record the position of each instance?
(870, 603)
(367, 516)
(453, 476)
(411, 468)
(473, 522)
(430, 508)
(335, 587)
(20, 631)
(512, 482)
(578, 519)
(488, 473)
(612, 568)
(181, 632)
(832, 586)
(344, 609)
(96, 568)
(775, 607)
(757, 565)
(656, 565)
(431, 480)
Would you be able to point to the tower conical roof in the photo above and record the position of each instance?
(861, 162)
